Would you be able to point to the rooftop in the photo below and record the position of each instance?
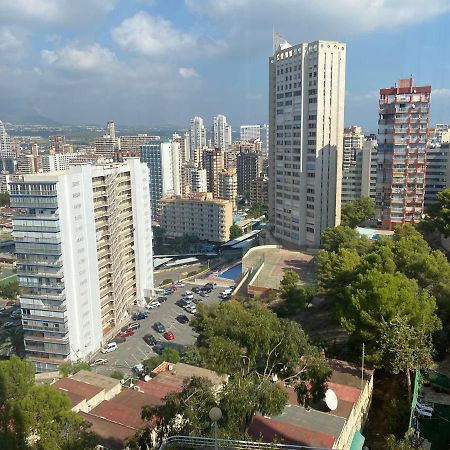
(77, 389)
(96, 379)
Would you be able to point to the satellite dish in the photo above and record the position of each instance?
(99, 236)
(331, 399)
(147, 378)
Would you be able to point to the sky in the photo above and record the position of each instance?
(161, 62)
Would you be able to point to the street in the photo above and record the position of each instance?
(135, 350)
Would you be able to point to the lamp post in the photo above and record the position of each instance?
(215, 414)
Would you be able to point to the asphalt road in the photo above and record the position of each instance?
(135, 350)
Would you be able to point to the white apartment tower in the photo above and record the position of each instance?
(197, 137)
(221, 132)
(306, 112)
(84, 257)
(6, 150)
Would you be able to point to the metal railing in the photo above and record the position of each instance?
(184, 442)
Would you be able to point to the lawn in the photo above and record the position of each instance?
(8, 279)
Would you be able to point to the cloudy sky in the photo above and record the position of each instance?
(160, 62)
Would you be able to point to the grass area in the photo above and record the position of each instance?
(8, 279)
(437, 428)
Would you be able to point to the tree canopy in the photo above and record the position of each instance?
(356, 212)
(37, 417)
(400, 277)
(439, 214)
(235, 231)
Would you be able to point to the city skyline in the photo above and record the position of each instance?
(158, 63)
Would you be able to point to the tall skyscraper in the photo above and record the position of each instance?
(249, 167)
(402, 149)
(162, 159)
(57, 144)
(306, 112)
(108, 145)
(184, 146)
(197, 137)
(213, 163)
(252, 132)
(84, 257)
(227, 186)
(5, 143)
(111, 129)
(221, 133)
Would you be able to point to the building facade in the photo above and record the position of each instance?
(259, 191)
(130, 145)
(306, 112)
(438, 172)
(213, 163)
(221, 133)
(162, 159)
(58, 161)
(197, 137)
(227, 186)
(402, 147)
(249, 167)
(198, 214)
(84, 257)
(256, 132)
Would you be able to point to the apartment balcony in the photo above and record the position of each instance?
(46, 360)
(36, 262)
(26, 284)
(57, 308)
(33, 273)
(44, 329)
(34, 295)
(53, 340)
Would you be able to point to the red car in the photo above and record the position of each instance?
(126, 333)
(169, 335)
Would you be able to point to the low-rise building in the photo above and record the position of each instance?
(198, 214)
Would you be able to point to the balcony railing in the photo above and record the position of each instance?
(203, 443)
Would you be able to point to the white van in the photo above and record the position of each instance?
(109, 348)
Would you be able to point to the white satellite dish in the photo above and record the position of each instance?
(147, 378)
(331, 399)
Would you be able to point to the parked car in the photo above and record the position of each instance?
(129, 332)
(17, 313)
(169, 335)
(182, 318)
(7, 325)
(112, 346)
(154, 304)
(196, 301)
(10, 303)
(120, 338)
(183, 302)
(179, 284)
(98, 362)
(225, 296)
(203, 294)
(140, 316)
(149, 339)
(159, 327)
(161, 299)
(168, 291)
(3, 312)
(190, 309)
(158, 348)
(196, 289)
(134, 326)
(138, 369)
(189, 296)
(210, 285)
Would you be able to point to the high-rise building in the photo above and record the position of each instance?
(402, 147)
(27, 164)
(227, 186)
(306, 111)
(221, 133)
(249, 167)
(353, 141)
(198, 180)
(84, 257)
(197, 137)
(256, 132)
(439, 130)
(259, 191)
(5, 143)
(5, 179)
(58, 161)
(213, 163)
(108, 145)
(184, 146)
(129, 145)
(57, 144)
(438, 172)
(202, 215)
(162, 159)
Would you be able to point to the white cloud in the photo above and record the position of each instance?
(188, 72)
(91, 58)
(10, 42)
(357, 16)
(152, 36)
(440, 92)
(38, 12)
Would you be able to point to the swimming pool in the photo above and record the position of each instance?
(233, 273)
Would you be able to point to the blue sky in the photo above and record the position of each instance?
(160, 62)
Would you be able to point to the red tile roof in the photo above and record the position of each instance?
(270, 429)
(119, 413)
(112, 435)
(77, 388)
(157, 390)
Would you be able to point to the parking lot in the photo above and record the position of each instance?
(135, 350)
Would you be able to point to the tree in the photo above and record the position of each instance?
(10, 290)
(235, 231)
(117, 375)
(358, 211)
(405, 348)
(4, 199)
(70, 368)
(344, 237)
(438, 214)
(375, 298)
(37, 417)
(295, 297)
(168, 355)
(410, 442)
(256, 211)
(250, 341)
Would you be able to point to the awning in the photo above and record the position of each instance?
(358, 441)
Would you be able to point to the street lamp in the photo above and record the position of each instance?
(215, 414)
